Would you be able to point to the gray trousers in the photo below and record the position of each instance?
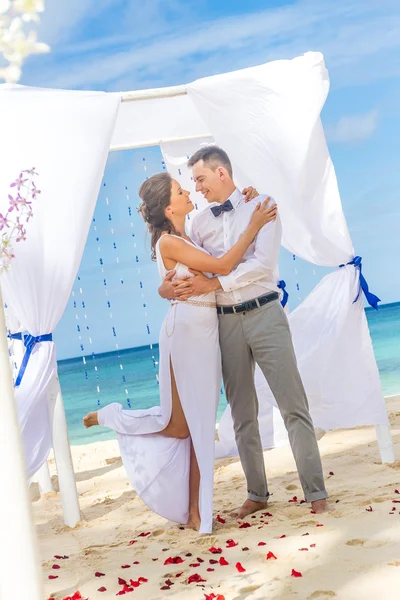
(262, 336)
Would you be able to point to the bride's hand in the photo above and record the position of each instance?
(250, 193)
(263, 214)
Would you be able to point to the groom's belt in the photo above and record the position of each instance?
(248, 305)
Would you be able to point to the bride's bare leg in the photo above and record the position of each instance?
(177, 426)
(194, 488)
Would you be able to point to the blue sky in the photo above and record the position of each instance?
(118, 45)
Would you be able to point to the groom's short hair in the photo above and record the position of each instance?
(213, 157)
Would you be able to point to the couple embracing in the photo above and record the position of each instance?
(224, 317)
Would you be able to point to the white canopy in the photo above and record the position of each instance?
(268, 120)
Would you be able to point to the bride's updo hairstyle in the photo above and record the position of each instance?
(155, 194)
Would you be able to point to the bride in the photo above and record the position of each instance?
(168, 450)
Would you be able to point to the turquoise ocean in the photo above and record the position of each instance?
(136, 380)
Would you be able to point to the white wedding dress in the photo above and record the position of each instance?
(157, 466)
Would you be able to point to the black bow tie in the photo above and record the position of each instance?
(225, 207)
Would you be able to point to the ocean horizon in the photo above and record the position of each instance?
(129, 376)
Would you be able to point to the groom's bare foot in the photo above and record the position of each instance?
(248, 508)
(194, 521)
(90, 420)
(321, 506)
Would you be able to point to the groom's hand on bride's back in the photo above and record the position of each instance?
(179, 289)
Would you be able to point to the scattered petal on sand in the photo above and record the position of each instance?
(271, 556)
(296, 573)
(240, 568)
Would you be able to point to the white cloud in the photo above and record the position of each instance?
(145, 49)
(355, 128)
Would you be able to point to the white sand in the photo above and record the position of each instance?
(354, 555)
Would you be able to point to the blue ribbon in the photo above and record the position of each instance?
(15, 336)
(30, 342)
(371, 298)
(282, 286)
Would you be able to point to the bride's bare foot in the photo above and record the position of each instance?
(321, 506)
(248, 508)
(90, 420)
(194, 521)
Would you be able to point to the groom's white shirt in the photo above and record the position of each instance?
(257, 273)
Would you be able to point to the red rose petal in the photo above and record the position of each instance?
(169, 582)
(296, 573)
(303, 549)
(240, 568)
(126, 567)
(262, 543)
(320, 525)
(282, 536)
(331, 473)
(396, 491)
(65, 557)
(215, 550)
(97, 574)
(53, 576)
(220, 519)
(245, 549)
(57, 557)
(396, 501)
(56, 567)
(294, 499)
(144, 534)
(231, 543)
(121, 581)
(194, 565)
(223, 562)
(303, 501)
(200, 560)
(189, 554)
(369, 509)
(102, 589)
(313, 512)
(173, 560)
(142, 580)
(214, 597)
(164, 587)
(213, 561)
(134, 584)
(244, 525)
(136, 562)
(271, 556)
(210, 569)
(313, 545)
(195, 578)
(132, 542)
(305, 534)
(177, 575)
(154, 559)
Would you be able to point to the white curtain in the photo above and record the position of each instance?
(66, 137)
(268, 120)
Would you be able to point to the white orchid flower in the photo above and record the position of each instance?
(4, 6)
(11, 74)
(29, 9)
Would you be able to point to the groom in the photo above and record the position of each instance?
(253, 328)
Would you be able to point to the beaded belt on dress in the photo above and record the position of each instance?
(196, 303)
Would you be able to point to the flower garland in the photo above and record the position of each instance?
(12, 226)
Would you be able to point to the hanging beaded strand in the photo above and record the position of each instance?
(137, 260)
(109, 307)
(80, 330)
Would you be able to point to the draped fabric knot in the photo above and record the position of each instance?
(30, 342)
(14, 336)
(285, 297)
(225, 207)
(371, 298)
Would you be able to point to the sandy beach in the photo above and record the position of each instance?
(284, 553)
